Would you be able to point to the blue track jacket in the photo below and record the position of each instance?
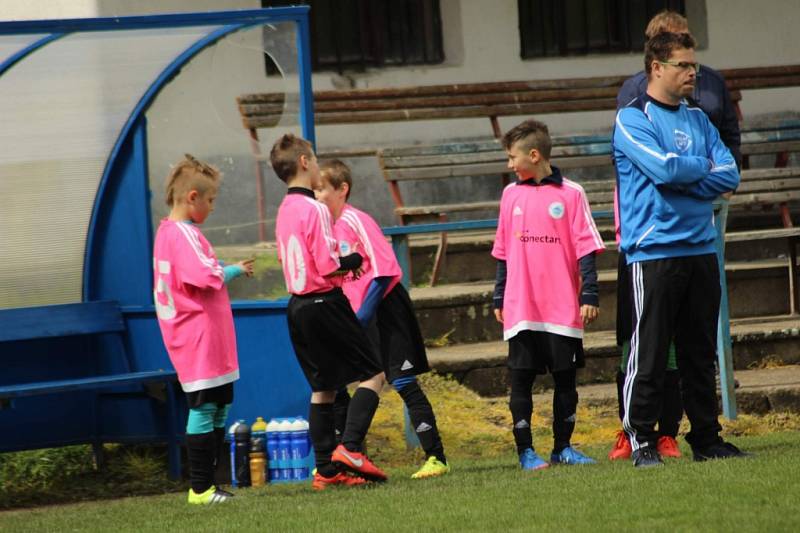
(671, 165)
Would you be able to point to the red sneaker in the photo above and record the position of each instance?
(357, 463)
(622, 448)
(342, 479)
(667, 447)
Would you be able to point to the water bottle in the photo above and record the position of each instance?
(257, 463)
(285, 450)
(232, 440)
(259, 431)
(240, 455)
(299, 449)
(273, 454)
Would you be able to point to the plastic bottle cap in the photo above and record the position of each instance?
(297, 425)
(273, 426)
(285, 425)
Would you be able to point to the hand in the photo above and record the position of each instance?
(589, 313)
(498, 315)
(357, 273)
(727, 195)
(247, 266)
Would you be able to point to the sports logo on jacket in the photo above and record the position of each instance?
(682, 140)
(344, 248)
(556, 210)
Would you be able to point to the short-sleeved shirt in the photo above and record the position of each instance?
(307, 247)
(355, 228)
(542, 231)
(193, 308)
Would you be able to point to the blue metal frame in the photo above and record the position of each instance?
(272, 383)
(21, 54)
(172, 20)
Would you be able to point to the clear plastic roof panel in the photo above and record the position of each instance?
(198, 113)
(64, 106)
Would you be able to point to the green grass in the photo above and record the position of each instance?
(754, 494)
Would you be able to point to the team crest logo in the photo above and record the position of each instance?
(556, 210)
(344, 248)
(682, 140)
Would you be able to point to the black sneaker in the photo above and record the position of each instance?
(646, 458)
(720, 450)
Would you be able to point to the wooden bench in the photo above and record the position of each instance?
(490, 100)
(468, 100)
(89, 320)
(577, 155)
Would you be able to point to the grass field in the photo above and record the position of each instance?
(754, 494)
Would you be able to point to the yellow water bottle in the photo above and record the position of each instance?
(257, 469)
(259, 431)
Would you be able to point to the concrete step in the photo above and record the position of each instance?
(481, 366)
(469, 257)
(463, 312)
(761, 391)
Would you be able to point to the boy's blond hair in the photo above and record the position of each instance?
(191, 174)
(285, 153)
(666, 22)
(337, 173)
(529, 134)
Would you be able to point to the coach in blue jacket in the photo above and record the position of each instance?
(710, 93)
(671, 165)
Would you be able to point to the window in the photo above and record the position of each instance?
(356, 34)
(576, 27)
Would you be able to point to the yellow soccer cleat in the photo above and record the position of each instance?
(212, 495)
(433, 467)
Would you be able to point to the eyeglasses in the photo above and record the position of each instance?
(683, 65)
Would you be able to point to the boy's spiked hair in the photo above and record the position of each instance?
(285, 153)
(190, 174)
(530, 134)
(337, 172)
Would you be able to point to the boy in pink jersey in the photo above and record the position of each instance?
(195, 318)
(328, 340)
(384, 308)
(546, 242)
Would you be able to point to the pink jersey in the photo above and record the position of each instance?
(542, 232)
(357, 230)
(194, 312)
(307, 247)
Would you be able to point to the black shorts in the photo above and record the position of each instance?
(544, 352)
(221, 395)
(397, 336)
(329, 342)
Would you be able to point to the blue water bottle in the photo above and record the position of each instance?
(299, 449)
(273, 453)
(285, 449)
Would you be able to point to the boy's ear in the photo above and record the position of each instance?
(534, 155)
(346, 188)
(192, 196)
(303, 160)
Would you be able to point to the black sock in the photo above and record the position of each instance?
(620, 399)
(423, 419)
(672, 410)
(201, 452)
(340, 405)
(220, 452)
(321, 431)
(565, 403)
(362, 408)
(521, 406)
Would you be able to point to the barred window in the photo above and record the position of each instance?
(357, 34)
(578, 27)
